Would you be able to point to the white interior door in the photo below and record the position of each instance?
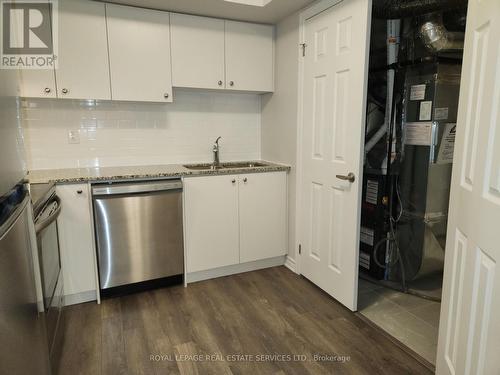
(469, 335)
(334, 105)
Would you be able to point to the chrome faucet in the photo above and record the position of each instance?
(216, 163)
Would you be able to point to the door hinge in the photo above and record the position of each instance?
(300, 249)
(303, 45)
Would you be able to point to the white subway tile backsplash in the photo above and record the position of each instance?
(122, 133)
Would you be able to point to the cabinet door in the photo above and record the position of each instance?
(263, 216)
(211, 220)
(249, 56)
(139, 54)
(38, 83)
(35, 83)
(76, 239)
(197, 52)
(83, 71)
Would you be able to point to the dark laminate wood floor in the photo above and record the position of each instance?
(259, 313)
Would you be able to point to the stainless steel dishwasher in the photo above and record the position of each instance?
(139, 234)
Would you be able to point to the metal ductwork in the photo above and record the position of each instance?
(436, 37)
(393, 9)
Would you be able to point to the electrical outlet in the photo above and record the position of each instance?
(74, 137)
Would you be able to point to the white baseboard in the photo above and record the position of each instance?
(234, 269)
(73, 299)
(291, 264)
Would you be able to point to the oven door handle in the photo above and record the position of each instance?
(45, 223)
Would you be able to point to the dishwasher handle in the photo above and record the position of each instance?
(150, 187)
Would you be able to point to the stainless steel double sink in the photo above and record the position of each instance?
(233, 165)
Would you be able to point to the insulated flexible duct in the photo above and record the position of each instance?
(409, 8)
(436, 37)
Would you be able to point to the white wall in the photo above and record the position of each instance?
(12, 155)
(279, 112)
(121, 133)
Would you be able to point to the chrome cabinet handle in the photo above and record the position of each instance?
(65, 91)
(79, 191)
(233, 181)
(350, 177)
(47, 90)
(231, 83)
(220, 83)
(245, 180)
(166, 95)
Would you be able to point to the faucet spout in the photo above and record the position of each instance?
(216, 162)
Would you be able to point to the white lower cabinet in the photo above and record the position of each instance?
(229, 220)
(263, 205)
(211, 219)
(76, 241)
(234, 219)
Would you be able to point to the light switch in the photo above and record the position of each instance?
(74, 137)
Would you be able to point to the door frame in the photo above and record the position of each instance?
(305, 15)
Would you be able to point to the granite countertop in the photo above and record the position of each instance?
(74, 175)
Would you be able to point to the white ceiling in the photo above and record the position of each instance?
(273, 12)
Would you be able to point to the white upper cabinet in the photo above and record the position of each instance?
(263, 215)
(83, 71)
(117, 52)
(249, 56)
(139, 54)
(197, 52)
(216, 54)
(38, 83)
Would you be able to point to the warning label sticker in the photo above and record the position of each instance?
(417, 92)
(441, 113)
(418, 133)
(447, 147)
(425, 111)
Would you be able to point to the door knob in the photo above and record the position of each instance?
(220, 83)
(245, 180)
(166, 95)
(47, 90)
(231, 83)
(65, 91)
(233, 181)
(350, 177)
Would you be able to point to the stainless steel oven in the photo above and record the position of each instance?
(46, 214)
(23, 337)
